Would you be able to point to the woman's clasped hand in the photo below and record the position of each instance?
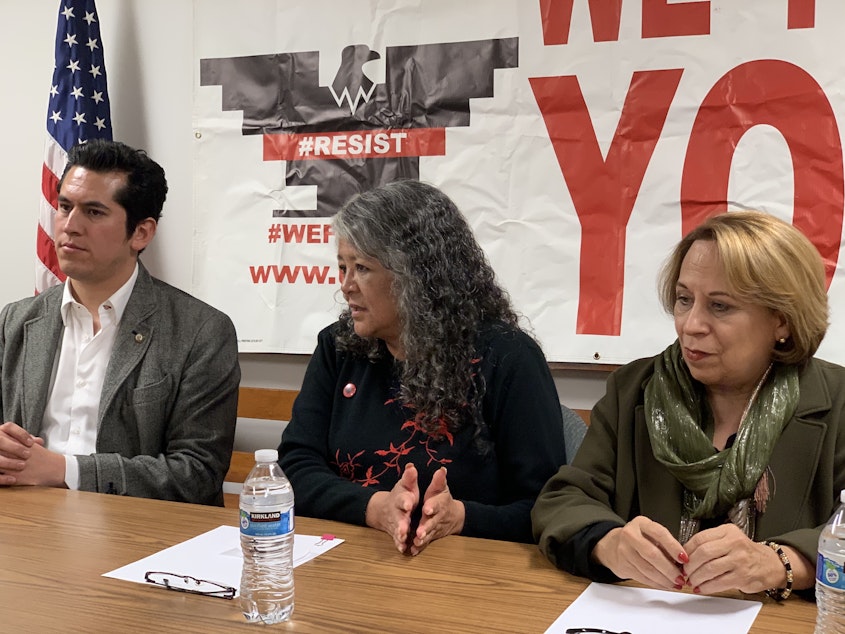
(714, 560)
(645, 551)
(393, 511)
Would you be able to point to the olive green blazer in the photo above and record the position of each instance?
(616, 477)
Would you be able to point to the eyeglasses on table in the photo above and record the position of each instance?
(189, 584)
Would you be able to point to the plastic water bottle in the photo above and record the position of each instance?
(266, 513)
(830, 576)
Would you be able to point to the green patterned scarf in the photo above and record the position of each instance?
(715, 480)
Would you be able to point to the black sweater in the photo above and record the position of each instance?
(342, 447)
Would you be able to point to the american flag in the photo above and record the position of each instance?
(78, 111)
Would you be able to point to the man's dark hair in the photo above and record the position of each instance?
(146, 187)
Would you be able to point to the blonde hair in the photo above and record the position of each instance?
(769, 263)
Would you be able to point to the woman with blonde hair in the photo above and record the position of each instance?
(715, 464)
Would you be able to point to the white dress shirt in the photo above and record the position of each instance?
(70, 419)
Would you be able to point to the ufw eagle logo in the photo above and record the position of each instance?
(425, 86)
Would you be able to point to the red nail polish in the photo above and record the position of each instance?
(697, 590)
(677, 586)
(683, 558)
(679, 581)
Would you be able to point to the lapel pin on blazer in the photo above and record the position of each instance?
(138, 336)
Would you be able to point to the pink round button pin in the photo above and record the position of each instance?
(349, 390)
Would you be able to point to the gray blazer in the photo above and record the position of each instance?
(168, 407)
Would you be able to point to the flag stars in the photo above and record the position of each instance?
(78, 99)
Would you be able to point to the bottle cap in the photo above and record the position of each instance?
(266, 455)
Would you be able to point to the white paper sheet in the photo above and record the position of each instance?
(642, 611)
(215, 556)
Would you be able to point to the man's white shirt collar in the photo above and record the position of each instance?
(117, 302)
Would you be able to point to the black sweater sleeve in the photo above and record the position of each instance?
(303, 453)
(521, 408)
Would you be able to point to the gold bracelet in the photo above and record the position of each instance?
(780, 594)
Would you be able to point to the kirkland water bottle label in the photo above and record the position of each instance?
(830, 573)
(266, 523)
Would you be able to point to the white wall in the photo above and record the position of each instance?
(148, 52)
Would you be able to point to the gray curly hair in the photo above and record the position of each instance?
(445, 289)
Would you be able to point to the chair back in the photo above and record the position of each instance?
(574, 429)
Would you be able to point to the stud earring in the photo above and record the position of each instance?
(782, 340)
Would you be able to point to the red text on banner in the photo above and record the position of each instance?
(275, 274)
(308, 233)
(660, 18)
(358, 144)
(604, 190)
(784, 96)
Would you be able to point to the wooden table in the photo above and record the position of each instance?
(56, 544)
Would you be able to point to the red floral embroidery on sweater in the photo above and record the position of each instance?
(417, 439)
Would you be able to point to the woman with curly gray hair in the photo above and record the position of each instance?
(426, 369)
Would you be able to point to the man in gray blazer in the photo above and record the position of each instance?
(115, 381)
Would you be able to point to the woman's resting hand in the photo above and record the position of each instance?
(644, 551)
